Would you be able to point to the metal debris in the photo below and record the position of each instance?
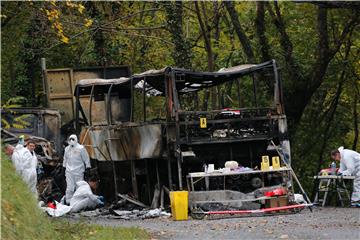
(139, 214)
(127, 198)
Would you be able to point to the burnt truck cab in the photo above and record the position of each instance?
(40, 124)
(148, 130)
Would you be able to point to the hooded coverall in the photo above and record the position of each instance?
(29, 163)
(16, 158)
(350, 165)
(76, 160)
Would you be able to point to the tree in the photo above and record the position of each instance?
(174, 19)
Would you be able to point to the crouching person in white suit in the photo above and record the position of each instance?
(84, 198)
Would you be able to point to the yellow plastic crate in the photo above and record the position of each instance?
(179, 201)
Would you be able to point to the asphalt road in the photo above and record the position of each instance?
(322, 223)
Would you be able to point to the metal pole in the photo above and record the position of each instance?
(168, 119)
(254, 91)
(90, 104)
(108, 107)
(43, 70)
(133, 178)
(157, 172)
(77, 109)
(144, 99)
(238, 92)
(177, 129)
(114, 171)
(132, 100)
(277, 93)
(148, 179)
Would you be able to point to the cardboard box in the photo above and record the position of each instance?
(277, 202)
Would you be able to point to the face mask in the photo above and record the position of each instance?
(72, 140)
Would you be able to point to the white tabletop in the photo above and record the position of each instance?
(216, 173)
(334, 177)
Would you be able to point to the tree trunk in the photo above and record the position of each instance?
(245, 42)
(260, 31)
(206, 33)
(174, 17)
(32, 45)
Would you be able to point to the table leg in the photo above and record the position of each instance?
(207, 183)
(326, 192)
(192, 184)
(346, 190)
(316, 199)
(338, 190)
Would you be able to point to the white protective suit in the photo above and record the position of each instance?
(350, 165)
(16, 158)
(76, 160)
(29, 163)
(83, 198)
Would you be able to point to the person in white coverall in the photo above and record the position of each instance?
(76, 162)
(349, 166)
(28, 164)
(84, 198)
(17, 154)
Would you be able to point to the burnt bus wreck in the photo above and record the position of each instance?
(148, 130)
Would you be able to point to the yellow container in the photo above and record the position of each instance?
(179, 201)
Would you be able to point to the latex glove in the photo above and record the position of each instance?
(101, 201)
(101, 198)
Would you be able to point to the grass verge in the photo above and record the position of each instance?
(22, 219)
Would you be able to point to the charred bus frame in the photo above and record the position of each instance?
(120, 138)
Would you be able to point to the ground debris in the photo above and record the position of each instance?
(93, 213)
(138, 214)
